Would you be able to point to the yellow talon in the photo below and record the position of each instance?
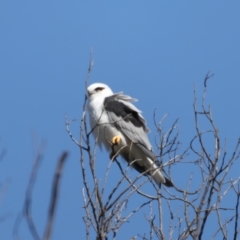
(116, 140)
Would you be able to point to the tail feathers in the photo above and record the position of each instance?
(150, 163)
(168, 182)
(160, 179)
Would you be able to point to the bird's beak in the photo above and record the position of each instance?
(89, 93)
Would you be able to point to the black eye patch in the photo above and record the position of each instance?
(99, 89)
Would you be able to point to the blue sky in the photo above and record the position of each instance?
(153, 51)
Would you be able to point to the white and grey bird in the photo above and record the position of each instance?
(120, 127)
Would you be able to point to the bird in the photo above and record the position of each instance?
(119, 126)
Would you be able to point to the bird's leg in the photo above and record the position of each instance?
(115, 141)
(112, 154)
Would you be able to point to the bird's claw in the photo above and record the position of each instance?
(116, 140)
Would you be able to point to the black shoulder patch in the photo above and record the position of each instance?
(122, 110)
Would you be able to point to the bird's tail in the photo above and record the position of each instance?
(154, 171)
(159, 178)
(168, 182)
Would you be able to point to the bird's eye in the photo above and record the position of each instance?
(98, 89)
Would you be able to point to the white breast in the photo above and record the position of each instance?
(105, 130)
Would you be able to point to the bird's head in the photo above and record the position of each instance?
(99, 90)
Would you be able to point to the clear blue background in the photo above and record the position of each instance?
(154, 51)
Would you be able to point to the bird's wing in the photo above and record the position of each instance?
(127, 119)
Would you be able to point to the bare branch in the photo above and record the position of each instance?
(55, 193)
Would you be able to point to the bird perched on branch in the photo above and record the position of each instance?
(119, 126)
